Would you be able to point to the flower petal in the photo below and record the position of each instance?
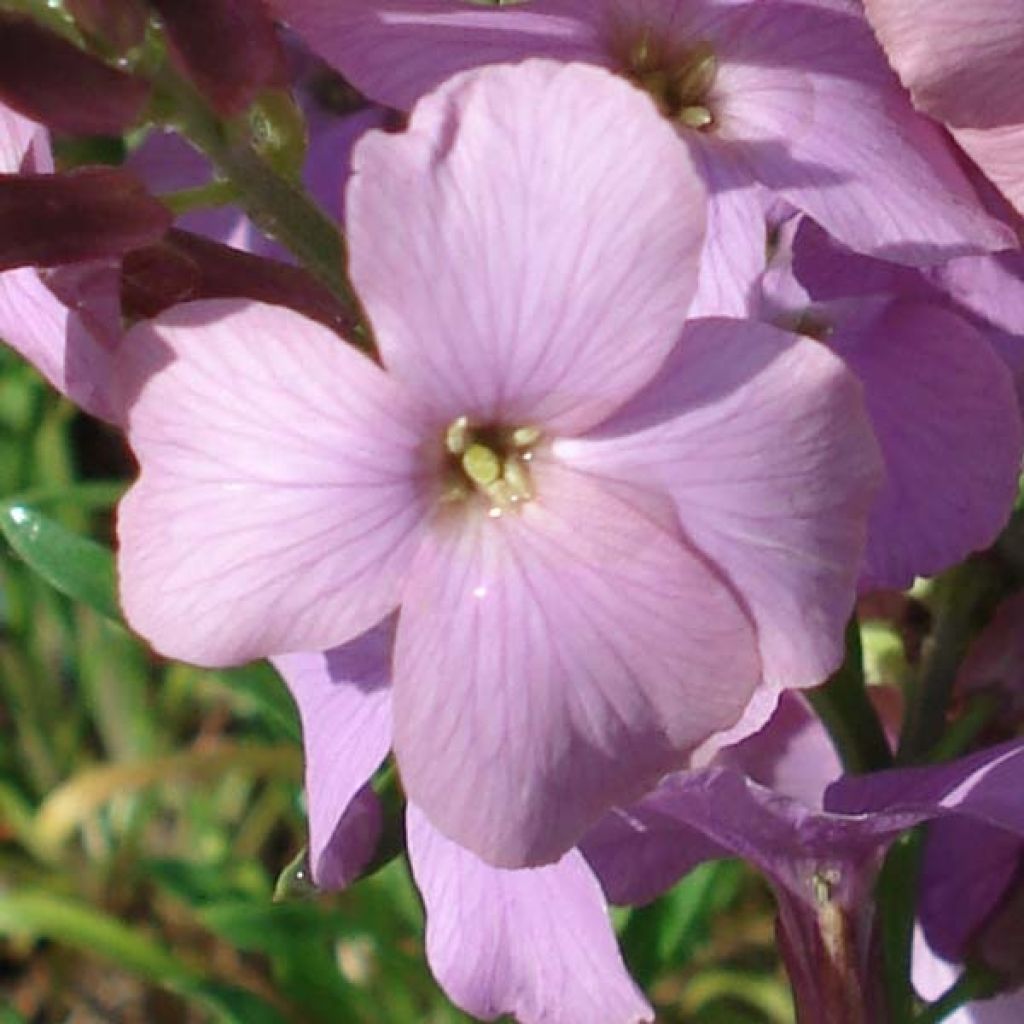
(534, 943)
(964, 63)
(762, 442)
(344, 700)
(999, 152)
(518, 263)
(875, 174)
(68, 342)
(944, 410)
(280, 498)
(553, 663)
(395, 51)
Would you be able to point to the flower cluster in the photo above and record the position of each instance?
(663, 331)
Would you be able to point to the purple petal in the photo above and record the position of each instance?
(344, 701)
(967, 869)
(763, 444)
(875, 174)
(68, 338)
(535, 943)
(517, 263)
(395, 51)
(985, 786)
(17, 134)
(280, 500)
(553, 663)
(944, 410)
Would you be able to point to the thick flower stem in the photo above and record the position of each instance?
(831, 956)
(275, 203)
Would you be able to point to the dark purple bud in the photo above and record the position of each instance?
(50, 80)
(229, 48)
(119, 25)
(185, 266)
(94, 213)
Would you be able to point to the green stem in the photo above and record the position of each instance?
(897, 900)
(278, 205)
(974, 983)
(847, 713)
(202, 197)
(963, 592)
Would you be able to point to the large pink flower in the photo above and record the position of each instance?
(789, 99)
(604, 533)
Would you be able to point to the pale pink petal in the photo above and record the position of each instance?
(518, 263)
(762, 441)
(999, 152)
(552, 663)
(875, 174)
(963, 62)
(737, 239)
(16, 136)
(280, 499)
(69, 346)
(395, 51)
(945, 413)
(344, 700)
(535, 943)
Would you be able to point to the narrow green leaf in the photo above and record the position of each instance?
(39, 915)
(76, 566)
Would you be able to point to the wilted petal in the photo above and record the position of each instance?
(944, 409)
(52, 81)
(344, 701)
(184, 267)
(89, 214)
(566, 265)
(553, 663)
(763, 444)
(117, 24)
(279, 502)
(229, 48)
(396, 51)
(535, 943)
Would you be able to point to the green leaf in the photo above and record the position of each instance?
(76, 566)
(39, 915)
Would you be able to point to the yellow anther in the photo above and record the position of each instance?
(481, 465)
(517, 479)
(525, 437)
(696, 117)
(456, 439)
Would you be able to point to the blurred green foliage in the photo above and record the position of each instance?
(147, 810)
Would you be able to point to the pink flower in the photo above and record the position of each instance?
(964, 65)
(787, 100)
(609, 538)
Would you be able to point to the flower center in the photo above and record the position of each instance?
(492, 462)
(679, 81)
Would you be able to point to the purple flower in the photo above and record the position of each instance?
(789, 100)
(532, 942)
(819, 843)
(610, 538)
(942, 402)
